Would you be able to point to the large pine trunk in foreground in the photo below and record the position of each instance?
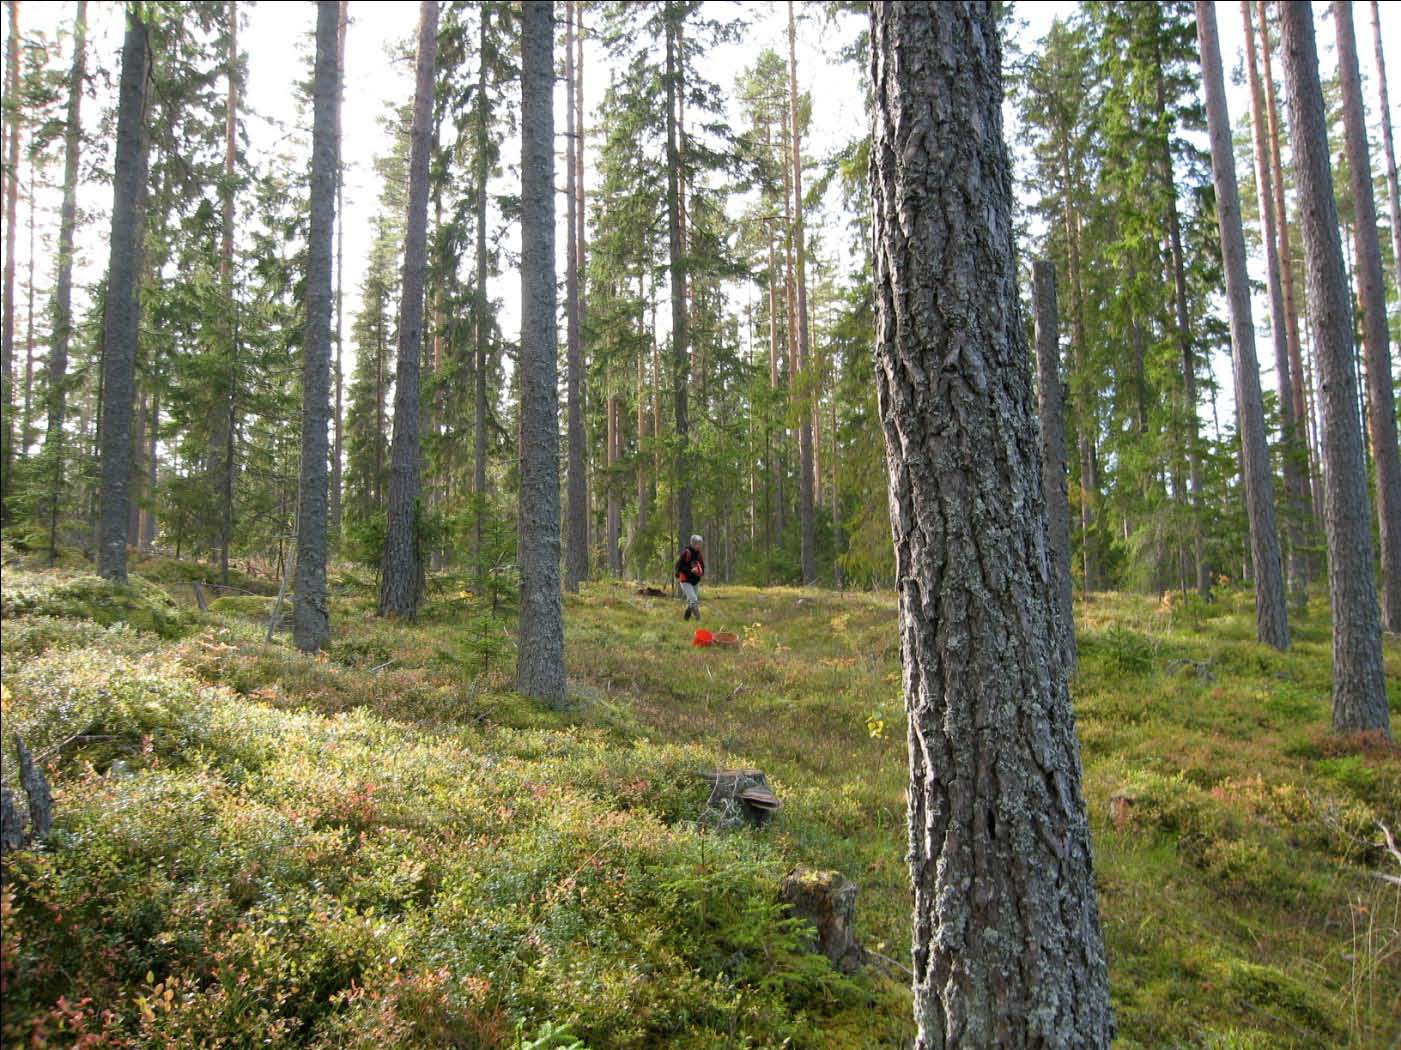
(122, 312)
(1359, 690)
(1007, 945)
(311, 622)
(1375, 337)
(401, 571)
(540, 656)
(1271, 619)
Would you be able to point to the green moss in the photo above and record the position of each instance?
(246, 606)
(142, 604)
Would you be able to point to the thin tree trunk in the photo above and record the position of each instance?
(1271, 619)
(581, 241)
(838, 532)
(122, 313)
(808, 554)
(338, 418)
(1007, 950)
(1184, 339)
(1388, 149)
(641, 437)
(402, 570)
(540, 655)
(63, 288)
(1295, 453)
(1359, 690)
(482, 327)
(615, 518)
(7, 330)
(1051, 403)
(773, 488)
(1298, 382)
(1376, 339)
(147, 535)
(138, 472)
(1087, 429)
(26, 429)
(225, 434)
(680, 344)
(576, 553)
(311, 626)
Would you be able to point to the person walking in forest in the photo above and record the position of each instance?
(690, 567)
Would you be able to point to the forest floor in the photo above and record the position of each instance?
(382, 846)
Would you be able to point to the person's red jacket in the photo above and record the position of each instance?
(690, 567)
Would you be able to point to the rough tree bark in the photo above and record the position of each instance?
(63, 287)
(1007, 945)
(540, 656)
(122, 312)
(576, 547)
(1388, 148)
(311, 625)
(401, 571)
(1051, 402)
(1359, 690)
(1296, 481)
(1271, 617)
(806, 475)
(1376, 339)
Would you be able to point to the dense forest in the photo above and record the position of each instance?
(1092, 311)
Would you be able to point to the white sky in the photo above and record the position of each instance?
(277, 40)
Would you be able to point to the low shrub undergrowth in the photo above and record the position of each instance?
(382, 846)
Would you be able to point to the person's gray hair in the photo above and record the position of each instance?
(697, 540)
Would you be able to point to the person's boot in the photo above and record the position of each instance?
(687, 614)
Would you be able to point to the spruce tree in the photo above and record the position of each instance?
(402, 569)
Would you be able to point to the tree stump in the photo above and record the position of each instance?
(1120, 809)
(739, 796)
(11, 823)
(827, 900)
(36, 787)
(13, 832)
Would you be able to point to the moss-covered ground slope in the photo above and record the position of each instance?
(382, 846)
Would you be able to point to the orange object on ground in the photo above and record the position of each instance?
(702, 637)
